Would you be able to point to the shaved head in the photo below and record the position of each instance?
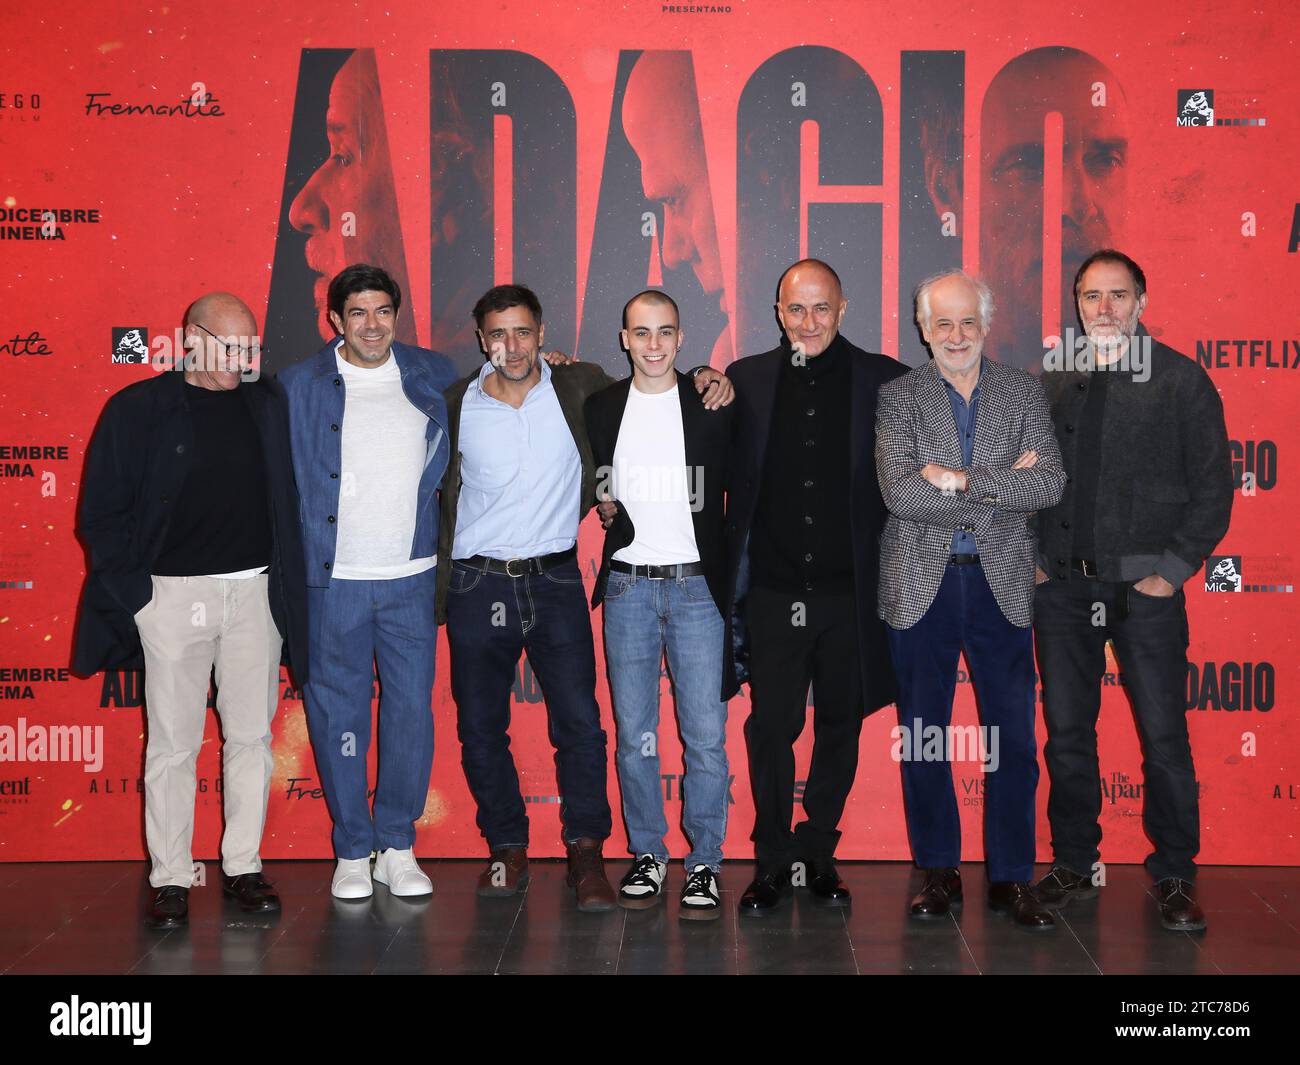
(221, 341)
(807, 269)
(223, 313)
(654, 297)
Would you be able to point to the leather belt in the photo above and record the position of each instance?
(519, 567)
(1085, 567)
(962, 560)
(658, 573)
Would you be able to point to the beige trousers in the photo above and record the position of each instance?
(190, 625)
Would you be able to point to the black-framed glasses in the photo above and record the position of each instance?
(245, 356)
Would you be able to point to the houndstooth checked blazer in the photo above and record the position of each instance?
(915, 426)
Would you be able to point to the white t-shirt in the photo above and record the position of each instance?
(384, 452)
(650, 481)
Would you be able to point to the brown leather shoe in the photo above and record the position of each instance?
(506, 874)
(587, 876)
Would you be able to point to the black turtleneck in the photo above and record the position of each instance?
(801, 538)
(221, 523)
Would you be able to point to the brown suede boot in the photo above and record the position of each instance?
(587, 876)
(506, 874)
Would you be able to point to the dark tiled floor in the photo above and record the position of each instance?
(85, 918)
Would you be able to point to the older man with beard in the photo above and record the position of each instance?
(965, 453)
(1150, 493)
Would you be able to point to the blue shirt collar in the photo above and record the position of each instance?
(948, 384)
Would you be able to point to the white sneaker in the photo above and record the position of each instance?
(399, 871)
(352, 879)
(700, 899)
(641, 885)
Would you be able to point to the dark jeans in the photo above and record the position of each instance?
(1072, 620)
(966, 616)
(491, 619)
(786, 656)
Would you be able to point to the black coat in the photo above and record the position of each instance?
(707, 436)
(756, 379)
(136, 464)
(1165, 487)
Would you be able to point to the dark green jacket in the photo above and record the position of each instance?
(573, 383)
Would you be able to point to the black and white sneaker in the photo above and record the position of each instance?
(700, 899)
(641, 887)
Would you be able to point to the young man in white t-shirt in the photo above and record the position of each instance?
(660, 459)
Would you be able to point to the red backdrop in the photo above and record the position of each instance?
(587, 149)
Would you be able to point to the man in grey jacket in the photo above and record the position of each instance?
(1143, 440)
(964, 453)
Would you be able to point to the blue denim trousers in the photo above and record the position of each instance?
(643, 618)
(491, 619)
(965, 616)
(355, 626)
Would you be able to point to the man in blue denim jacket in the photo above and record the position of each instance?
(368, 429)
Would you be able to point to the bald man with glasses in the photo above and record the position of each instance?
(190, 519)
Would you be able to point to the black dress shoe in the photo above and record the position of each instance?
(253, 892)
(940, 894)
(825, 884)
(1015, 898)
(765, 893)
(1179, 910)
(169, 908)
(1061, 886)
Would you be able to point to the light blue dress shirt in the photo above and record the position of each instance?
(521, 475)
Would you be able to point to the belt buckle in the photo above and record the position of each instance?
(510, 562)
(651, 577)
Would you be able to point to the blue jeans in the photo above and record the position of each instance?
(355, 626)
(644, 617)
(964, 615)
(491, 619)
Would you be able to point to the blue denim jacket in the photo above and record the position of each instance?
(316, 392)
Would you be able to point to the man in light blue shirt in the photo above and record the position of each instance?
(521, 474)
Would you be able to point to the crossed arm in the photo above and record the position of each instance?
(936, 495)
